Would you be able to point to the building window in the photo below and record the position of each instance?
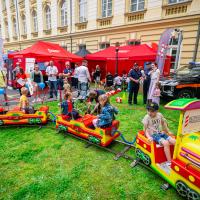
(14, 27)
(35, 23)
(106, 8)
(48, 17)
(63, 13)
(137, 5)
(24, 28)
(175, 1)
(3, 4)
(172, 51)
(82, 11)
(133, 42)
(6, 29)
(104, 45)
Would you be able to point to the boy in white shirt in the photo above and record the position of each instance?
(156, 129)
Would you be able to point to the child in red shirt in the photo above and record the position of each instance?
(21, 76)
(67, 107)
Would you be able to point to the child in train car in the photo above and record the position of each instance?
(107, 113)
(156, 129)
(67, 107)
(117, 81)
(94, 96)
(24, 102)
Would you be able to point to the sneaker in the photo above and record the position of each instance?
(50, 97)
(34, 100)
(168, 164)
(38, 99)
(59, 104)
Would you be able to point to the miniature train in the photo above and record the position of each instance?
(184, 173)
(81, 128)
(17, 117)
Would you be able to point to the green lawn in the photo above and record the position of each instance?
(41, 164)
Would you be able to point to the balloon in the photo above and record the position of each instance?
(2, 91)
(41, 85)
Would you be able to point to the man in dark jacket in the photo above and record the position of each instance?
(134, 76)
(147, 81)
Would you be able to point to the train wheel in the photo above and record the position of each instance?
(192, 195)
(1, 122)
(138, 153)
(181, 188)
(146, 160)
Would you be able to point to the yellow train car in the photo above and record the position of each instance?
(81, 128)
(184, 172)
(17, 117)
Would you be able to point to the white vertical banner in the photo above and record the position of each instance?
(29, 65)
(1, 53)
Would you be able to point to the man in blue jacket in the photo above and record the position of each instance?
(134, 76)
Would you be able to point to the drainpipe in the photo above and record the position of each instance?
(17, 16)
(196, 44)
(70, 24)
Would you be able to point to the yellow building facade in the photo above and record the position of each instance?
(99, 23)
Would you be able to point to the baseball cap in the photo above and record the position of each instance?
(153, 106)
(148, 63)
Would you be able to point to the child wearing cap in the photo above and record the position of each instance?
(156, 129)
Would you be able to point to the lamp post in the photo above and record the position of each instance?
(117, 57)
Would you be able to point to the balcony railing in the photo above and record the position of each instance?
(62, 29)
(179, 8)
(138, 16)
(81, 26)
(105, 22)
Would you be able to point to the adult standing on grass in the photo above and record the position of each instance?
(75, 76)
(52, 72)
(147, 81)
(155, 77)
(97, 76)
(83, 78)
(3, 83)
(36, 78)
(134, 76)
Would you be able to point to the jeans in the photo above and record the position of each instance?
(133, 89)
(53, 88)
(83, 88)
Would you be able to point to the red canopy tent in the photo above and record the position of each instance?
(127, 55)
(45, 51)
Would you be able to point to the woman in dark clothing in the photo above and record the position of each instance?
(97, 76)
(36, 77)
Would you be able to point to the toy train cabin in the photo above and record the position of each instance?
(184, 173)
(17, 117)
(81, 128)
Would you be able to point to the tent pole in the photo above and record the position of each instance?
(116, 68)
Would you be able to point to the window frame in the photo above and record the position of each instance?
(48, 17)
(177, 1)
(14, 21)
(35, 21)
(105, 8)
(24, 28)
(82, 4)
(63, 13)
(137, 5)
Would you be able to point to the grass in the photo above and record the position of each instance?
(40, 164)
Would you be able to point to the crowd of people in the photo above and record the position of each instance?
(60, 86)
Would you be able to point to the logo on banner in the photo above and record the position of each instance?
(53, 51)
